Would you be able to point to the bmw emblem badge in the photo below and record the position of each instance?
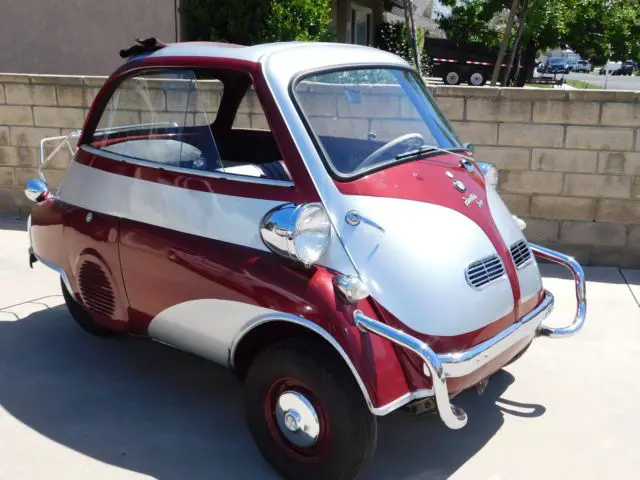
(459, 186)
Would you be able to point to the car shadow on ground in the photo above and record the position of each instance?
(146, 407)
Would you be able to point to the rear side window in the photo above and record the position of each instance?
(176, 118)
(155, 117)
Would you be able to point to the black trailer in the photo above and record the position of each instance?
(468, 62)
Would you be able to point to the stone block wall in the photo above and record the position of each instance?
(33, 107)
(569, 160)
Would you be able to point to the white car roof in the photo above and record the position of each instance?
(322, 55)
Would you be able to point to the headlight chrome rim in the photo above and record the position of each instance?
(280, 229)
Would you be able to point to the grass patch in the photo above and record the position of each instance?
(539, 85)
(582, 85)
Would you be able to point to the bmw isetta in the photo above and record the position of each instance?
(304, 214)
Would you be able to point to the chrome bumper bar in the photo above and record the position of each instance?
(581, 291)
(441, 366)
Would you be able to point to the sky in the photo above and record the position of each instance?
(439, 8)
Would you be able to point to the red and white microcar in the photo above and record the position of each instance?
(304, 214)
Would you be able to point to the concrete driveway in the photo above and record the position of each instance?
(77, 407)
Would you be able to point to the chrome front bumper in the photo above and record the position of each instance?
(441, 366)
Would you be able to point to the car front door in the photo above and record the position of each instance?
(196, 168)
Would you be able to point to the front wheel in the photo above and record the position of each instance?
(307, 416)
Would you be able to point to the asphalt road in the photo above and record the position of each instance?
(614, 83)
(75, 407)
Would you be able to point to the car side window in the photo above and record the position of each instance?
(162, 118)
(169, 118)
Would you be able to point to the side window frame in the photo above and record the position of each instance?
(105, 96)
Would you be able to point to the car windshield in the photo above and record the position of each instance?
(556, 61)
(363, 119)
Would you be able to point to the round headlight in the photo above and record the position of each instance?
(490, 173)
(311, 233)
(298, 232)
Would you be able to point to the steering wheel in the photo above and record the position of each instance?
(388, 146)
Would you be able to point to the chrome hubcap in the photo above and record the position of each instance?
(297, 419)
(452, 78)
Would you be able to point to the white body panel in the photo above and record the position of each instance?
(416, 268)
(190, 326)
(205, 327)
(220, 217)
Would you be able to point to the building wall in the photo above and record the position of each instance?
(78, 36)
(569, 160)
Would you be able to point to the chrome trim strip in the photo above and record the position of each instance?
(60, 271)
(453, 417)
(188, 171)
(463, 363)
(441, 366)
(581, 292)
(458, 364)
(285, 317)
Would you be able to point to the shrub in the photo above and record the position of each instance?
(394, 38)
(299, 20)
(249, 22)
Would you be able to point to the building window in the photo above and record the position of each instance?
(361, 24)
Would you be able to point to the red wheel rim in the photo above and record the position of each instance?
(317, 451)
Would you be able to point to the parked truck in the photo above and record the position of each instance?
(458, 62)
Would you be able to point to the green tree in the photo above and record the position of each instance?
(248, 22)
(596, 29)
(475, 21)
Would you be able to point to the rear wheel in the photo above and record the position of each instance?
(452, 78)
(306, 415)
(477, 79)
(82, 317)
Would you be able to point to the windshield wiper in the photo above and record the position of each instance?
(425, 150)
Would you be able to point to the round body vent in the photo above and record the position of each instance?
(96, 290)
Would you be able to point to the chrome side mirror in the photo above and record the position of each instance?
(36, 190)
(468, 147)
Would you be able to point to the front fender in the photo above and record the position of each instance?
(215, 328)
(372, 361)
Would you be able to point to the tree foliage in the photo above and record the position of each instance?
(475, 21)
(249, 22)
(596, 29)
(393, 37)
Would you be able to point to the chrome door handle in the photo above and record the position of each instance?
(353, 218)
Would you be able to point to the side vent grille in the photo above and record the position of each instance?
(96, 290)
(520, 253)
(481, 273)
